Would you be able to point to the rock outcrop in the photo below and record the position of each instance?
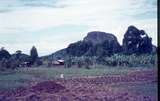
(96, 43)
(136, 41)
(97, 37)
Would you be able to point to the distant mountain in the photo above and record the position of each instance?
(98, 43)
(61, 54)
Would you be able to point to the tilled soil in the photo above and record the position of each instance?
(86, 89)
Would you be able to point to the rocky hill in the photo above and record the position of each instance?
(137, 41)
(98, 37)
(98, 43)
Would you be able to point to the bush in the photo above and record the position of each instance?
(80, 63)
(68, 62)
(144, 60)
(133, 60)
(88, 62)
(39, 62)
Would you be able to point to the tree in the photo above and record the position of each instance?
(18, 54)
(68, 62)
(88, 62)
(79, 63)
(33, 54)
(4, 54)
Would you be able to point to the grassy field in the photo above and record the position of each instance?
(21, 77)
(79, 84)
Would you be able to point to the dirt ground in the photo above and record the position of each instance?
(135, 86)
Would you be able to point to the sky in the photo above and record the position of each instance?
(51, 25)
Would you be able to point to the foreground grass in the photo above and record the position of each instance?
(22, 77)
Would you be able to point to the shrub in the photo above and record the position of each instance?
(33, 54)
(133, 60)
(68, 62)
(39, 62)
(87, 63)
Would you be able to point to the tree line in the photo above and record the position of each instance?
(116, 60)
(18, 59)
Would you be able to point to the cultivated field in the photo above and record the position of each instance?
(79, 84)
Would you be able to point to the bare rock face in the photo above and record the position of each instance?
(78, 48)
(96, 43)
(136, 41)
(97, 37)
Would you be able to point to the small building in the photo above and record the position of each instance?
(58, 62)
(25, 64)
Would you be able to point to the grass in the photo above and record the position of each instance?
(21, 77)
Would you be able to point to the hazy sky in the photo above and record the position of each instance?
(51, 25)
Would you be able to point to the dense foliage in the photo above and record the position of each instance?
(96, 48)
(4, 54)
(145, 60)
(33, 54)
(18, 59)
